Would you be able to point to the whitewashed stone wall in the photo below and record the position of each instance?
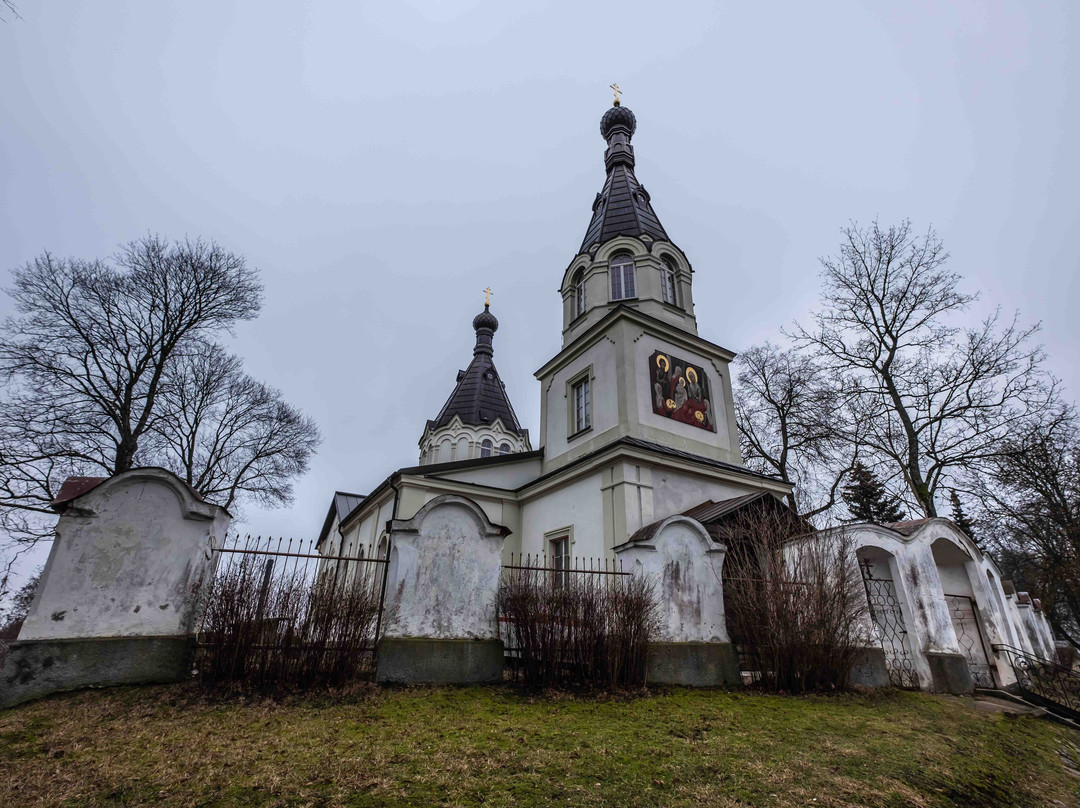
(443, 575)
(686, 565)
(128, 560)
(938, 559)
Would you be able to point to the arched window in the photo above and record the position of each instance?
(485, 448)
(668, 282)
(579, 293)
(621, 271)
(504, 448)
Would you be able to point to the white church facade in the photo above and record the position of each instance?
(637, 422)
(637, 463)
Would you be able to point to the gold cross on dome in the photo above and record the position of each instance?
(487, 296)
(617, 91)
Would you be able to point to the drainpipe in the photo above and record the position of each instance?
(386, 565)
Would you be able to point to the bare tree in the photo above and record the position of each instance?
(109, 365)
(934, 399)
(788, 408)
(1030, 517)
(227, 434)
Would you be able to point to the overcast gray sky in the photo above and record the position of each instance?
(382, 163)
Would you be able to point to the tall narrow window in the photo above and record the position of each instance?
(582, 405)
(504, 448)
(668, 283)
(621, 270)
(560, 560)
(579, 293)
(485, 448)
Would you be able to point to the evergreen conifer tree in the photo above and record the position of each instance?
(959, 517)
(867, 500)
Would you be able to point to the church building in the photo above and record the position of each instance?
(637, 422)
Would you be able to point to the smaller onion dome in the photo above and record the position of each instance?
(485, 319)
(617, 117)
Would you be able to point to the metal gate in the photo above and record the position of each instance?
(889, 620)
(965, 622)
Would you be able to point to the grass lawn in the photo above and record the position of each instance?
(497, 746)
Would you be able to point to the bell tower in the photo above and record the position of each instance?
(632, 364)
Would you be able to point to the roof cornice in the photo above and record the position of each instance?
(677, 336)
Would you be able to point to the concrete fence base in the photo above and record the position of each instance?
(414, 660)
(949, 673)
(694, 664)
(35, 668)
(869, 669)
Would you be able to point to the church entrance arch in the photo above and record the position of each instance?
(887, 616)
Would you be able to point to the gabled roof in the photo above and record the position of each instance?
(908, 526)
(711, 514)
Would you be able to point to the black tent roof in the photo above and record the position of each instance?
(623, 207)
(480, 397)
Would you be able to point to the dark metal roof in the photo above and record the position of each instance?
(480, 395)
(341, 506)
(708, 513)
(623, 207)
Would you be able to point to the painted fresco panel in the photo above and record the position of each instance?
(680, 391)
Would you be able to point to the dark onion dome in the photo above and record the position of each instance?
(617, 116)
(485, 319)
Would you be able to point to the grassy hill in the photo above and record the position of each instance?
(498, 747)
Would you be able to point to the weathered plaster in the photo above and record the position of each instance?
(443, 575)
(685, 565)
(128, 560)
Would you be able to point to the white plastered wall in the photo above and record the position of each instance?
(686, 567)
(921, 584)
(443, 575)
(128, 560)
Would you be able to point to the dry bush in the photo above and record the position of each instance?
(287, 631)
(578, 628)
(796, 607)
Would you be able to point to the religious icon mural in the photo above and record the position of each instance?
(681, 391)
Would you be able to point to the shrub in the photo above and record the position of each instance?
(578, 628)
(796, 607)
(288, 631)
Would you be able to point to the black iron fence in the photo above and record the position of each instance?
(575, 621)
(888, 618)
(1054, 686)
(278, 613)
